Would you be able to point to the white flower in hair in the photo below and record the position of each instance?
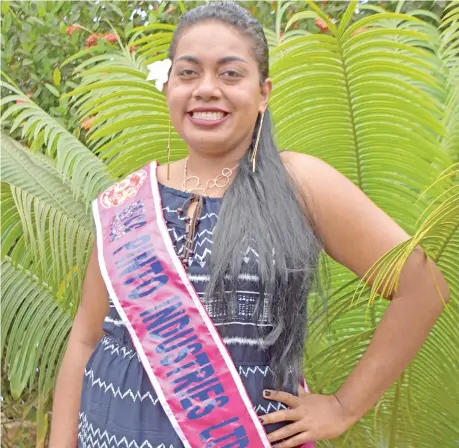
(159, 72)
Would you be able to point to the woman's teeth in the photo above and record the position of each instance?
(211, 116)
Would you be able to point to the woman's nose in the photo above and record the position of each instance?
(207, 88)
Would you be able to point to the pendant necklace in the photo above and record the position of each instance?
(192, 184)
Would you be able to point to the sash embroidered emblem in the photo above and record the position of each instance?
(122, 191)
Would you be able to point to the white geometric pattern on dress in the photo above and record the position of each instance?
(247, 252)
(199, 254)
(196, 238)
(203, 278)
(117, 392)
(116, 323)
(219, 324)
(91, 437)
(238, 340)
(245, 371)
(272, 407)
(114, 347)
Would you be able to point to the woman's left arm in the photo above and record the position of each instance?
(356, 233)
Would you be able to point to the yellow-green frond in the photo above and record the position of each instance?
(34, 329)
(87, 174)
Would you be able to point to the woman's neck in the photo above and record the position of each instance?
(207, 168)
(208, 165)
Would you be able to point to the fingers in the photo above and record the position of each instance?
(285, 432)
(295, 432)
(301, 390)
(284, 397)
(295, 441)
(287, 415)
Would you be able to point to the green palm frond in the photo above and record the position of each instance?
(56, 228)
(373, 104)
(10, 226)
(278, 36)
(424, 396)
(450, 29)
(34, 330)
(130, 124)
(36, 174)
(378, 99)
(87, 174)
(154, 46)
(434, 369)
(46, 234)
(449, 51)
(354, 101)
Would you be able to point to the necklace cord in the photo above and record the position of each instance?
(192, 224)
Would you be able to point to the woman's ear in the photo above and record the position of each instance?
(266, 89)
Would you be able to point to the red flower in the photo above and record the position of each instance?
(92, 40)
(87, 124)
(111, 38)
(29, 95)
(132, 49)
(72, 28)
(321, 24)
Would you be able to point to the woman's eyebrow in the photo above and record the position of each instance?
(188, 59)
(227, 59)
(221, 61)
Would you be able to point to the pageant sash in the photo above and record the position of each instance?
(183, 355)
(180, 349)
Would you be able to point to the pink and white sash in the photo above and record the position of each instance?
(180, 349)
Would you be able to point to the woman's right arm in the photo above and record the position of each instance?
(85, 335)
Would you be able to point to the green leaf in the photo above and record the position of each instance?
(5, 8)
(36, 21)
(53, 89)
(347, 16)
(116, 9)
(300, 16)
(41, 8)
(57, 78)
(7, 20)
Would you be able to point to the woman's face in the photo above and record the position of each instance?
(214, 92)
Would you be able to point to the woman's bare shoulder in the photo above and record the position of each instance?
(353, 229)
(297, 162)
(310, 173)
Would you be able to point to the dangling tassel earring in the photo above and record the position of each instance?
(169, 150)
(255, 148)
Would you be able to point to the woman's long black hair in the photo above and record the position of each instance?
(265, 211)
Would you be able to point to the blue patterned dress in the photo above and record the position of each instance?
(119, 407)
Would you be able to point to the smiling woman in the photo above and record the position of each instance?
(191, 330)
(233, 82)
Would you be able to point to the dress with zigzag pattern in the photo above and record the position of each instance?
(119, 407)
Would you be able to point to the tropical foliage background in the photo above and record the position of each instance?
(370, 87)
